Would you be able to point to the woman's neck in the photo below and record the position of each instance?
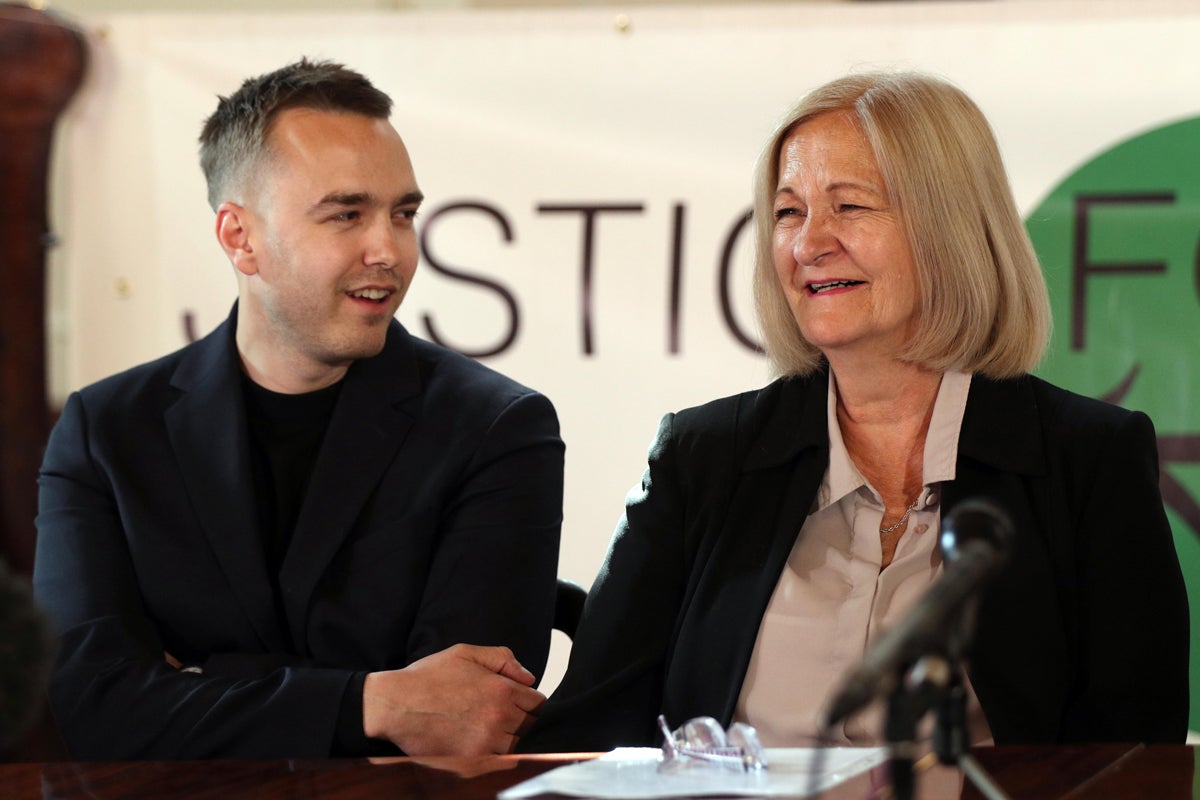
(884, 415)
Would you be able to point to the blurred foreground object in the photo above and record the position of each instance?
(25, 653)
(41, 66)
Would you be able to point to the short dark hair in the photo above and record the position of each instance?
(233, 142)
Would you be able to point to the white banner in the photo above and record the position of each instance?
(586, 176)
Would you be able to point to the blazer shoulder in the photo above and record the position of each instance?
(1067, 411)
(134, 386)
(457, 381)
(193, 362)
(773, 421)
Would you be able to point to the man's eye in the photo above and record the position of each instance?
(407, 214)
(346, 216)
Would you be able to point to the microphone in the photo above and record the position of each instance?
(26, 650)
(974, 542)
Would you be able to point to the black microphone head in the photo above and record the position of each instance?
(975, 520)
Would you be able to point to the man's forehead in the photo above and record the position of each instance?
(298, 125)
(342, 157)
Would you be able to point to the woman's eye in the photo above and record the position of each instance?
(780, 213)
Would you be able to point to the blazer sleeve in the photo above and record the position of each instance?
(112, 692)
(493, 576)
(613, 686)
(1133, 634)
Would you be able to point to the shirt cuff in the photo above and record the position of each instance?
(349, 740)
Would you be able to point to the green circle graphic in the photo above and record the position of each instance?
(1118, 242)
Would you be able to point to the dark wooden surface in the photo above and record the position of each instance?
(1119, 772)
(41, 66)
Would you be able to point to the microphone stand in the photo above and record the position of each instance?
(900, 732)
(932, 682)
(923, 686)
(918, 663)
(950, 740)
(935, 681)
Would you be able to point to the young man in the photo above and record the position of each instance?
(309, 533)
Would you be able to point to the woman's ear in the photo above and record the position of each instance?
(234, 237)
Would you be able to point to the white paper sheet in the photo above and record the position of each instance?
(631, 773)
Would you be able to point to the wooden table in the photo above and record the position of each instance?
(1036, 773)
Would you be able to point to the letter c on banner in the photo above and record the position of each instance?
(723, 285)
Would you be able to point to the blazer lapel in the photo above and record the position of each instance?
(368, 426)
(1002, 458)
(208, 432)
(1002, 428)
(779, 477)
(1001, 444)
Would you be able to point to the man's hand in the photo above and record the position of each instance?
(464, 700)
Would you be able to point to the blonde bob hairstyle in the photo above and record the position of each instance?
(982, 302)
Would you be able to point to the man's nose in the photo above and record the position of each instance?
(383, 246)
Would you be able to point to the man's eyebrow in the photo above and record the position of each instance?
(351, 199)
(340, 200)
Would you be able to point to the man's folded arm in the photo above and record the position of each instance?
(113, 692)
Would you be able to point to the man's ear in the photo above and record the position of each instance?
(233, 235)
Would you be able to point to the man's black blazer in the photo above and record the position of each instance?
(1084, 637)
(431, 518)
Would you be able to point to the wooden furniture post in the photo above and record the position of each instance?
(41, 66)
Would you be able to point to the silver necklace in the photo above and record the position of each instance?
(903, 519)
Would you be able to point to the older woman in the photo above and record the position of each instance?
(778, 532)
